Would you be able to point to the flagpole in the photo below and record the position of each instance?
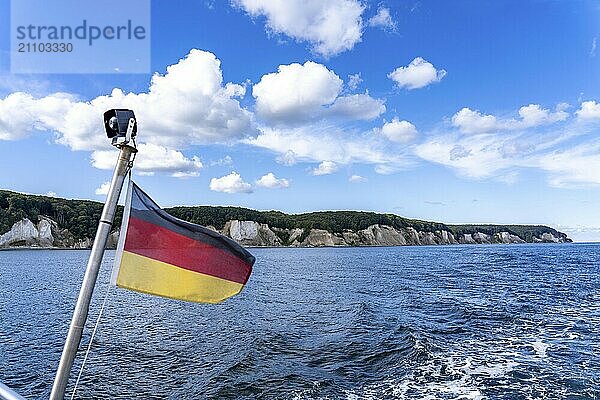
(91, 274)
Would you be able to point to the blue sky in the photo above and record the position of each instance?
(461, 112)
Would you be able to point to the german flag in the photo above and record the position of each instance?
(165, 256)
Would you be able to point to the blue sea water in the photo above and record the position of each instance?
(438, 322)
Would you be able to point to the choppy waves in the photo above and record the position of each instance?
(456, 322)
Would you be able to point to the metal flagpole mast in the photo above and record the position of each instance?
(91, 274)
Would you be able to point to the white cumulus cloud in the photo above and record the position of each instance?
(419, 73)
(270, 181)
(589, 110)
(399, 131)
(232, 183)
(288, 158)
(329, 26)
(533, 115)
(227, 160)
(103, 189)
(470, 121)
(383, 19)
(153, 158)
(354, 80)
(325, 168)
(310, 91)
(357, 179)
(21, 114)
(187, 105)
(296, 91)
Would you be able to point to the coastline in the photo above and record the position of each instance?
(42, 248)
(25, 248)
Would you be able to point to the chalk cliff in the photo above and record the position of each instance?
(252, 233)
(47, 233)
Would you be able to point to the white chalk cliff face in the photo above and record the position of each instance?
(46, 233)
(44, 228)
(23, 231)
(547, 238)
(251, 233)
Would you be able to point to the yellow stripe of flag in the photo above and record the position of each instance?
(146, 275)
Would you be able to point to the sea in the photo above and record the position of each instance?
(430, 322)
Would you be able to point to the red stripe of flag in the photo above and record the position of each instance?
(159, 243)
